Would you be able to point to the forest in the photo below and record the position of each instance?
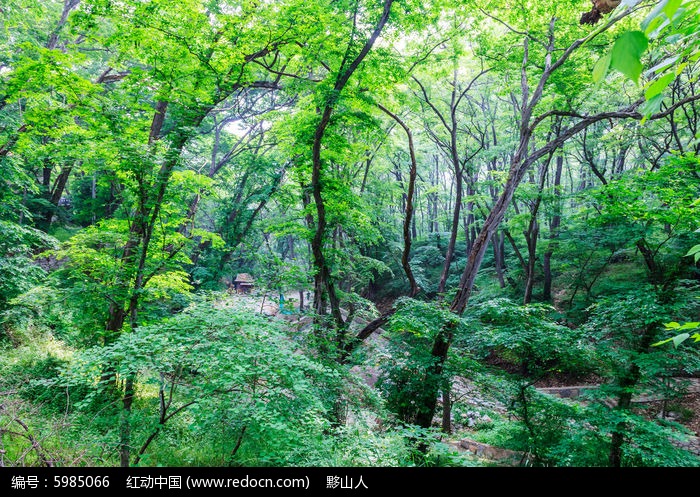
(349, 233)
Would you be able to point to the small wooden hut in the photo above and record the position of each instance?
(243, 283)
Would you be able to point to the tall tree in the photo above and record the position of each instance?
(323, 282)
(521, 161)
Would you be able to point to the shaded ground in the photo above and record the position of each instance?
(685, 411)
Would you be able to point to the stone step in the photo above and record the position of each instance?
(574, 392)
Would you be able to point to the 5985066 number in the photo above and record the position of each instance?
(80, 481)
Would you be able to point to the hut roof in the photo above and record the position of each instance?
(243, 278)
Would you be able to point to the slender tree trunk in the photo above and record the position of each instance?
(498, 259)
(447, 408)
(516, 250)
(436, 198)
(531, 236)
(454, 228)
(93, 196)
(323, 283)
(553, 233)
(469, 231)
(433, 377)
(533, 232)
(125, 421)
(408, 205)
(626, 385)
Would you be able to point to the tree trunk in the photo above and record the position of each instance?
(408, 205)
(52, 193)
(553, 233)
(454, 226)
(626, 385)
(498, 259)
(469, 231)
(532, 233)
(125, 422)
(322, 279)
(433, 377)
(447, 408)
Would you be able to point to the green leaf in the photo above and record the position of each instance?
(679, 339)
(627, 53)
(651, 106)
(680, 67)
(601, 68)
(672, 325)
(671, 7)
(664, 64)
(658, 86)
(655, 24)
(694, 251)
(689, 326)
(648, 24)
(662, 342)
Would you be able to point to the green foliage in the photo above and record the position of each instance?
(39, 312)
(681, 337)
(419, 318)
(148, 216)
(426, 262)
(404, 376)
(627, 52)
(233, 368)
(672, 26)
(555, 432)
(636, 227)
(18, 270)
(407, 375)
(665, 195)
(27, 375)
(583, 440)
(526, 337)
(625, 328)
(619, 322)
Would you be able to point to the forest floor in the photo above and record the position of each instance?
(689, 407)
(685, 410)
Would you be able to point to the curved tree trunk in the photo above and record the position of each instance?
(323, 283)
(408, 217)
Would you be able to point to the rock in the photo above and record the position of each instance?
(490, 452)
